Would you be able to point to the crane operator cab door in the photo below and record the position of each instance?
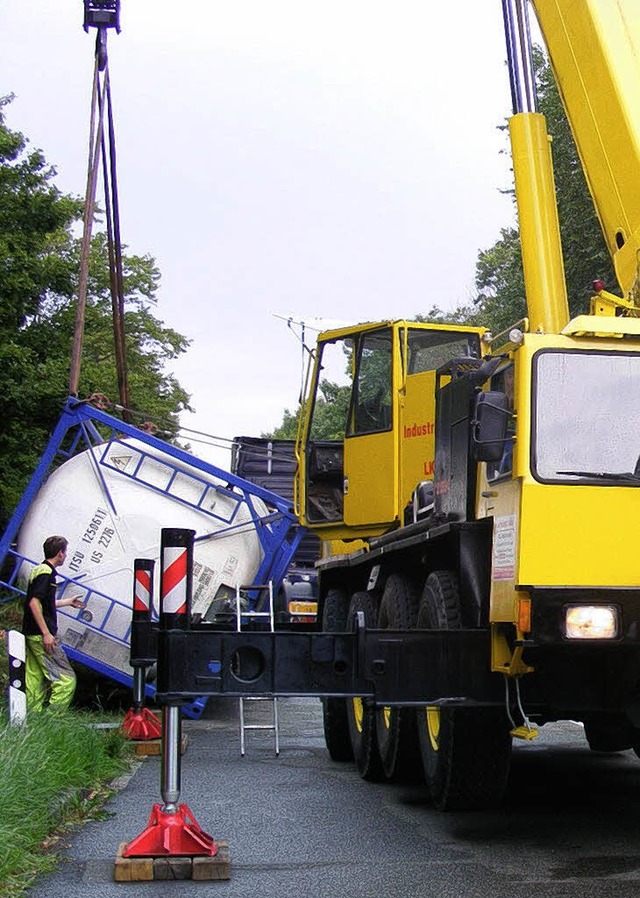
(350, 456)
(368, 438)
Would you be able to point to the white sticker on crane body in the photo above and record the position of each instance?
(504, 547)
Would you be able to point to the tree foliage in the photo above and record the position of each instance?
(329, 417)
(500, 298)
(39, 266)
(288, 429)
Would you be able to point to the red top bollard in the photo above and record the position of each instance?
(144, 649)
(142, 588)
(176, 550)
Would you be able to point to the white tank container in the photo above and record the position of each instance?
(111, 503)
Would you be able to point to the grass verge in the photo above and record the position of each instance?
(54, 773)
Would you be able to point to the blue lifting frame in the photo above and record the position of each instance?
(82, 426)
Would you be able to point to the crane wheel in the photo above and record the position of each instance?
(334, 710)
(465, 751)
(395, 727)
(361, 715)
(609, 732)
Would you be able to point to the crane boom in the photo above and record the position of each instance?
(594, 48)
(540, 241)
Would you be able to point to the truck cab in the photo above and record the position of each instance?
(367, 435)
(559, 499)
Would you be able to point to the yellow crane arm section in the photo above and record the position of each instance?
(594, 47)
(539, 228)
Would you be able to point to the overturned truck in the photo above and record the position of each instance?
(109, 488)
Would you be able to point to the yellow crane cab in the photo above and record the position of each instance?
(367, 436)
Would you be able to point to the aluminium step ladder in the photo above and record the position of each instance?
(243, 617)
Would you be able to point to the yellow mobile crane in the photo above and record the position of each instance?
(487, 488)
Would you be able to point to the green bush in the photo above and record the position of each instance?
(10, 619)
(53, 771)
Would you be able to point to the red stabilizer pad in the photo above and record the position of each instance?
(171, 834)
(141, 725)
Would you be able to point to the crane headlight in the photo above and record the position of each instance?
(591, 621)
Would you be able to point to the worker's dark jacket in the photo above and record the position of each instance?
(42, 585)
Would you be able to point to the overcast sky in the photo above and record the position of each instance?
(337, 160)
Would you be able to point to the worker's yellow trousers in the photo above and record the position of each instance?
(47, 673)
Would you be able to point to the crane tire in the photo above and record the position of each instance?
(396, 727)
(465, 751)
(609, 732)
(361, 714)
(334, 710)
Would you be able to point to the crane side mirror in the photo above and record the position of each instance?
(489, 425)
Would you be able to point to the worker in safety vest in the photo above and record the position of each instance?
(47, 666)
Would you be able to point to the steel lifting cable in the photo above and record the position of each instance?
(112, 212)
(89, 207)
(102, 151)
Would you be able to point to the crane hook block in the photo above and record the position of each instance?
(102, 14)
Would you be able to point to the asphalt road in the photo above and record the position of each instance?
(302, 825)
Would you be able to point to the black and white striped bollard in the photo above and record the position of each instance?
(16, 650)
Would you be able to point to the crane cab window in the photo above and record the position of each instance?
(371, 403)
(332, 391)
(429, 350)
(325, 446)
(353, 398)
(579, 392)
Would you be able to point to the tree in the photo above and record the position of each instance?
(329, 418)
(500, 283)
(586, 257)
(149, 345)
(39, 265)
(500, 298)
(288, 429)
